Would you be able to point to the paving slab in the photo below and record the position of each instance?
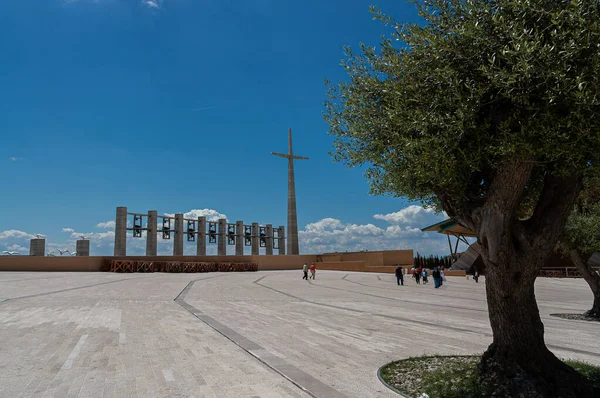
(123, 339)
(263, 334)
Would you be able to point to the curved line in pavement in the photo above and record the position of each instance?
(296, 376)
(406, 285)
(30, 279)
(425, 303)
(184, 292)
(398, 298)
(399, 318)
(418, 322)
(67, 290)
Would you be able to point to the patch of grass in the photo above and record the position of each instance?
(591, 372)
(454, 380)
(452, 376)
(438, 376)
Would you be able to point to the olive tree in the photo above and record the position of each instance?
(485, 109)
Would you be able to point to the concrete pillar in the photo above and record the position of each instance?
(82, 248)
(37, 247)
(121, 232)
(151, 234)
(178, 242)
(269, 239)
(255, 239)
(239, 238)
(222, 237)
(201, 238)
(281, 238)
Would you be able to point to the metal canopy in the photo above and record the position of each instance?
(449, 228)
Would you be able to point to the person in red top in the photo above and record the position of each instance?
(313, 269)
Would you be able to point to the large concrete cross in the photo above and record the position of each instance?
(292, 217)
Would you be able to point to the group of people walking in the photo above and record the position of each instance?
(312, 269)
(421, 274)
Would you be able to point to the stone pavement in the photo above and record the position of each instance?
(264, 334)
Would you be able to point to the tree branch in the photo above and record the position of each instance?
(462, 216)
(586, 270)
(509, 183)
(552, 211)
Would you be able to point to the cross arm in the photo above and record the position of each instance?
(282, 155)
(299, 157)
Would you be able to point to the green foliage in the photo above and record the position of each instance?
(431, 261)
(436, 107)
(591, 372)
(583, 228)
(582, 231)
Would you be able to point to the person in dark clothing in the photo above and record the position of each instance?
(437, 277)
(418, 277)
(399, 276)
(476, 276)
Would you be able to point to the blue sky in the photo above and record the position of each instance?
(175, 105)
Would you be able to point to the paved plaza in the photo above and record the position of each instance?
(263, 334)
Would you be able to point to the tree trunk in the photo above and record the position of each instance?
(517, 363)
(591, 277)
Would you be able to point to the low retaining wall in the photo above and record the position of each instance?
(454, 273)
(355, 266)
(370, 258)
(267, 263)
(447, 272)
(384, 261)
(275, 262)
(342, 265)
(94, 263)
(63, 264)
(384, 269)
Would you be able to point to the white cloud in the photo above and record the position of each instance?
(412, 214)
(210, 214)
(100, 242)
(15, 158)
(95, 236)
(18, 248)
(151, 3)
(15, 240)
(404, 232)
(15, 234)
(106, 225)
